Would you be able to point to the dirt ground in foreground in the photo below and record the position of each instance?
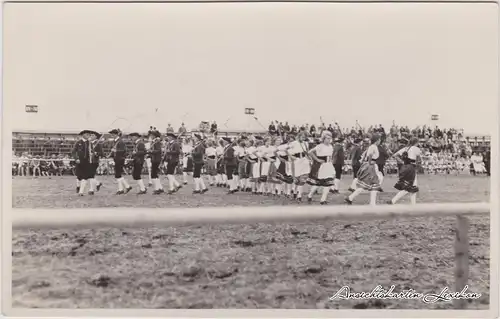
(285, 265)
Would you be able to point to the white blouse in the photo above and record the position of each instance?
(219, 150)
(372, 152)
(282, 150)
(413, 152)
(210, 151)
(323, 150)
(251, 152)
(297, 147)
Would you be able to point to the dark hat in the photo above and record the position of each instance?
(155, 134)
(115, 131)
(198, 136)
(357, 140)
(135, 134)
(171, 135)
(403, 141)
(258, 137)
(227, 139)
(339, 139)
(86, 132)
(97, 134)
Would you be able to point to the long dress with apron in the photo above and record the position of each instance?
(187, 159)
(264, 163)
(369, 176)
(408, 173)
(148, 156)
(253, 162)
(272, 174)
(300, 167)
(211, 154)
(326, 172)
(477, 164)
(284, 166)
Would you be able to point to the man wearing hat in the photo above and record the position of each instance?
(96, 153)
(198, 155)
(156, 156)
(356, 153)
(147, 161)
(338, 158)
(173, 151)
(81, 155)
(119, 153)
(138, 155)
(230, 163)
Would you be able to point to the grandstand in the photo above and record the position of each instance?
(46, 143)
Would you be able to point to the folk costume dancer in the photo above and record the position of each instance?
(156, 158)
(198, 154)
(81, 155)
(119, 153)
(283, 170)
(300, 166)
(356, 153)
(338, 158)
(324, 178)
(237, 151)
(187, 160)
(255, 163)
(275, 176)
(148, 161)
(96, 153)
(253, 166)
(138, 154)
(407, 182)
(273, 183)
(384, 154)
(242, 165)
(264, 166)
(172, 159)
(211, 156)
(230, 163)
(221, 177)
(369, 176)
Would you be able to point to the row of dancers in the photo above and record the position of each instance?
(261, 165)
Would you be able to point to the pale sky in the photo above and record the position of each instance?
(86, 64)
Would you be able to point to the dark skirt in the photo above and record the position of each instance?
(368, 178)
(211, 166)
(282, 175)
(221, 169)
(407, 175)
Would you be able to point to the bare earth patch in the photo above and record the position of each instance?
(285, 265)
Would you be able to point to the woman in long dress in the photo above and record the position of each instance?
(256, 167)
(283, 171)
(324, 178)
(242, 165)
(300, 166)
(274, 184)
(369, 176)
(407, 183)
(264, 154)
(187, 159)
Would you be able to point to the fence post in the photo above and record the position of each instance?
(461, 259)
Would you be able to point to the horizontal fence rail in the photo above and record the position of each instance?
(137, 217)
(140, 217)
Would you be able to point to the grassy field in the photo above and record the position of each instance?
(285, 265)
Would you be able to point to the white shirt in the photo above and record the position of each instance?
(282, 150)
(239, 151)
(324, 150)
(210, 151)
(261, 150)
(372, 152)
(186, 149)
(270, 151)
(251, 151)
(297, 147)
(219, 150)
(148, 146)
(413, 152)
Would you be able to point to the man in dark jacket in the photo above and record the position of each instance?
(198, 155)
(173, 151)
(156, 157)
(96, 153)
(138, 155)
(119, 153)
(382, 159)
(81, 155)
(230, 163)
(338, 158)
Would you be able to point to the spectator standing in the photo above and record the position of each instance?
(182, 129)
(170, 129)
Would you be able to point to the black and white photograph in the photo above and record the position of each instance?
(251, 155)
